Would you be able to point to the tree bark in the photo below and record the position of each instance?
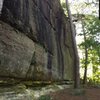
(76, 62)
(86, 56)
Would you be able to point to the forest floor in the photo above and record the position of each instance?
(68, 94)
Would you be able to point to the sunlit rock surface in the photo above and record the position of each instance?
(36, 44)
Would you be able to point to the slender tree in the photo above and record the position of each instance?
(76, 65)
(91, 46)
(86, 54)
(90, 33)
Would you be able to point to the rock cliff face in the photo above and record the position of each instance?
(35, 41)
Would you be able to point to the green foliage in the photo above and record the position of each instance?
(92, 44)
(95, 80)
(63, 4)
(45, 97)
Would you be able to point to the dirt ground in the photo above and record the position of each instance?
(89, 94)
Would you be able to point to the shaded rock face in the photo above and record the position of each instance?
(1, 3)
(38, 44)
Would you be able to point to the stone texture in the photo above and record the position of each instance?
(38, 66)
(16, 52)
(42, 21)
(1, 3)
(20, 92)
(20, 14)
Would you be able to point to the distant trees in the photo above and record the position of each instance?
(90, 46)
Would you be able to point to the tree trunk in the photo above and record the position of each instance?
(76, 62)
(85, 67)
(86, 56)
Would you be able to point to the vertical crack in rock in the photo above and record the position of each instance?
(59, 32)
(40, 26)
